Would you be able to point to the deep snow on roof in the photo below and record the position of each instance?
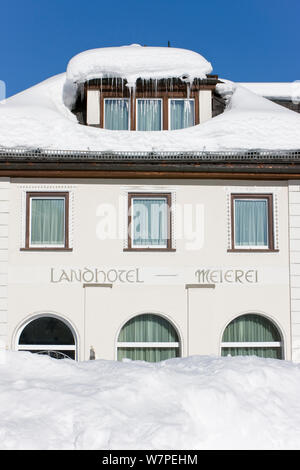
(40, 118)
(134, 61)
(276, 90)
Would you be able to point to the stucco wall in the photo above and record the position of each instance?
(96, 314)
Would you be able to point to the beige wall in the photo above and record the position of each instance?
(98, 313)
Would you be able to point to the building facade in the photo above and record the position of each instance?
(150, 255)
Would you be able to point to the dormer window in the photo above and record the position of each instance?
(165, 104)
(149, 115)
(181, 113)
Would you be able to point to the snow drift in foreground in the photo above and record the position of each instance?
(198, 402)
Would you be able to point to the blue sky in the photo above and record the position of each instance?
(246, 40)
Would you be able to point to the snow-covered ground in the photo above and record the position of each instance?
(199, 402)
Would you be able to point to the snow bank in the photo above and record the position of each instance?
(190, 403)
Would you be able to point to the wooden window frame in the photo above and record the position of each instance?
(270, 248)
(168, 197)
(49, 195)
(165, 96)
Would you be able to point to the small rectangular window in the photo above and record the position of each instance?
(252, 222)
(116, 114)
(149, 114)
(47, 220)
(149, 221)
(181, 113)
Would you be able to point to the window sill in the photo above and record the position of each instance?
(150, 249)
(46, 249)
(249, 250)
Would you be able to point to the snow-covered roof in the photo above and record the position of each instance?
(39, 118)
(135, 61)
(276, 90)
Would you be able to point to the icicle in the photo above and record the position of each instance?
(155, 87)
(188, 90)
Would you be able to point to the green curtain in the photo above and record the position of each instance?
(147, 354)
(251, 327)
(181, 114)
(148, 328)
(251, 222)
(116, 114)
(47, 221)
(272, 353)
(144, 329)
(149, 115)
(150, 221)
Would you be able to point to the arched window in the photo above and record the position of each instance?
(252, 335)
(149, 338)
(48, 335)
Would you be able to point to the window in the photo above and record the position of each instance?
(149, 221)
(149, 114)
(252, 335)
(149, 338)
(47, 217)
(48, 335)
(252, 222)
(116, 114)
(181, 113)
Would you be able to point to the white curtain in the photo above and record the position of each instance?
(150, 221)
(251, 222)
(47, 222)
(182, 114)
(116, 114)
(149, 115)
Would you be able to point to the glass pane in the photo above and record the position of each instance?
(116, 115)
(148, 328)
(251, 327)
(47, 221)
(55, 354)
(147, 354)
(150, 221)
(273, 353)
(47, 330)
(149, 115)
(181, 114)
(251, 222)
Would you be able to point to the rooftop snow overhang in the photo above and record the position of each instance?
(135, 62)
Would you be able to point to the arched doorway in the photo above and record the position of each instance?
(252, 335)
(48, 335)
(148, 337)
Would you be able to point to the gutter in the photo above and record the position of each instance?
(253, 164)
